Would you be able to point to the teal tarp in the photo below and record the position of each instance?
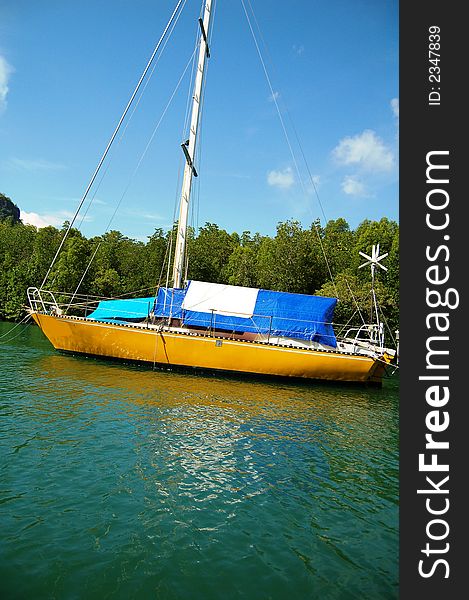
(135, 309)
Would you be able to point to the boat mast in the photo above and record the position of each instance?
(189, 148)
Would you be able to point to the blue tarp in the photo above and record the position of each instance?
(128, 310)
(298, 316)
(169, 303)
(279, 313)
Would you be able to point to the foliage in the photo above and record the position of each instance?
(210, 252)
(291, 261)
(8, 210)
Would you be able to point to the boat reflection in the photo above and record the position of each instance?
(139, 386)
(192, 439)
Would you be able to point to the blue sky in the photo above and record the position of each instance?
(68, 68)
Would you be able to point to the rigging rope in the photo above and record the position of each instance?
(274, 99)
(135, 106)
(292, 125)
(133, 174)
(23, 321)
(103, 157)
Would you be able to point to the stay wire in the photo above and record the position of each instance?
(23, 321)
(103, 157)
(129, 183)
(135, 107)
(292, 124)
(274, 99)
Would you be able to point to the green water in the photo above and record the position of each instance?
(121, 482)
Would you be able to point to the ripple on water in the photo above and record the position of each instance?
(120, 482)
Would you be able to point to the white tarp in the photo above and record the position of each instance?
(227, 300)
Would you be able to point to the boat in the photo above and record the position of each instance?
(214, 327)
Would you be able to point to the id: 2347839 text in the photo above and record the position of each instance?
(434, 71)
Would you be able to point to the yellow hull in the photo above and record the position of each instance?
(136, 343)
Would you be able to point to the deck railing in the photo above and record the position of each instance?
(59, 303)
(266, 326)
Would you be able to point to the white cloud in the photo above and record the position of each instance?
(56, 220)
(298, 49)
(34, 165)
(366, 150)
(5, 72)
(281, 179)
(353, 187)
(32, 218)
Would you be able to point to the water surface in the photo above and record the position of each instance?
(122, 482)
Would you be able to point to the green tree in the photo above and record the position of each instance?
(385, 233)
(370, 233)
(44, 246)
(16, 241)
(338, 243)
(115, 268)
(71, 265)
(8, 210)
(242, 267)
(355, 302)
(155, 256)
(292, 261)
(209, 254)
